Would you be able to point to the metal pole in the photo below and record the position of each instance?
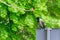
(48, 33)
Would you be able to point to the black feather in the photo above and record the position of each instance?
(41, 23)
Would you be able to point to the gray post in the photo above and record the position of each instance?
(48, 33)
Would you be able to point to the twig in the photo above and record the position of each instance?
(32, 9)
(5, 3)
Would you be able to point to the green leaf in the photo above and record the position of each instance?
(30, 21)
(3, 11)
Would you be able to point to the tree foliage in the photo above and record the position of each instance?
(18, 18)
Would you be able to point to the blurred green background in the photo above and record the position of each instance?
(18, 18)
